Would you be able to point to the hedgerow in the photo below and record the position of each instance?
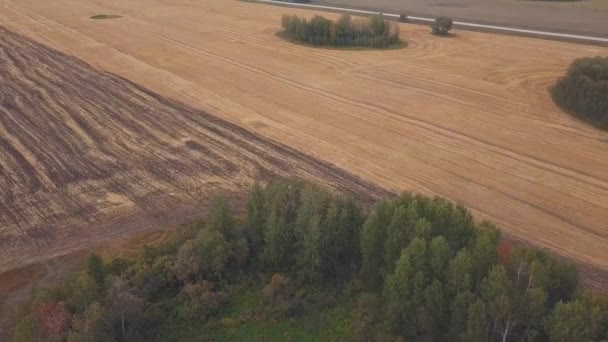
(373, 32)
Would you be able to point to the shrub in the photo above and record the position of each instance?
(372, 32)
(119, 265)
(403, 18)
(281, 292)
(54, 318)
(442, 26)
(201, 300)
(583, 91)
(95, 269)
(280, 287)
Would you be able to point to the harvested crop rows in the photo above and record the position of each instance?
(467, 117)
(86, 156)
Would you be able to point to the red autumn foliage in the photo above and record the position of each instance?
(54, 318)
(504, 251)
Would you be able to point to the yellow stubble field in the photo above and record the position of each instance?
(467, 117)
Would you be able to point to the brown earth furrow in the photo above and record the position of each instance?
(157, 154)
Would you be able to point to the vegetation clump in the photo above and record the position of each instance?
(583, 91)
(373, 32)
(105, 16)
(306, 264)
(442, 26)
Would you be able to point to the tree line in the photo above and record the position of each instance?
(373, 32)
(412, 268)
(584, 90)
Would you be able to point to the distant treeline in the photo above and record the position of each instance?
(584, 90)
(373, 32)
(306, 264)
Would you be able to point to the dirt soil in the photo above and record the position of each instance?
(587, 17)
(467, 117)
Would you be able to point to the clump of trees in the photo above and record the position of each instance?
(584, 90)
(373, 32)
(442, 26)
(411, 268)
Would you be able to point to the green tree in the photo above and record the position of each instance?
(442, 26)
(332, 242)
(373, 240)
(433, 311)
(213, 252)
(220, 218)
(372, 32)
(83, 292)
(564, 281)
(341, 248)
(460, 271)
(404, 291)
(313, 205)
(125, 307)
(398, 236)
(459, 285)
(582, 319)
(440, 255)
(350, 221)
(459, 314)
(256, 217)
(119, 265)
(186, 267)
(92, 325)
(496, 292)
(311, 258)
(423, 229)
(276, 243)
(95, 270)
(582, 91)
(531, 273)
(399, 308)
(477, 325)
(484, 251)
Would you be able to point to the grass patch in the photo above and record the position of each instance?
(247, 317)
(105, 16)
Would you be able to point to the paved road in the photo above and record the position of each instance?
(464, 24)
(581, 17)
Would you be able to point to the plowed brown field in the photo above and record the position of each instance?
(467, 117)
(87, 156)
